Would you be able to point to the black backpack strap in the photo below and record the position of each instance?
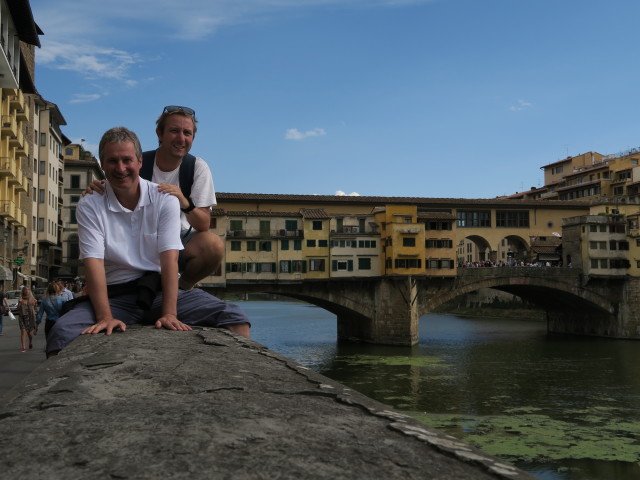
(148, 160)
(187, 171)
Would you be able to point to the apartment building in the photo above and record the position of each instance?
(18, 37)
(80, 169)
(589, 176)
(48, 167)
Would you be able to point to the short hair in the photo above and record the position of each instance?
(162, 120)
(120, 135)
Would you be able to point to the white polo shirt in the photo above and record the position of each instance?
(202, 190)
(128, 241)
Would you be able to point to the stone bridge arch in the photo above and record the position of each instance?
(386, 310)
(550, 288)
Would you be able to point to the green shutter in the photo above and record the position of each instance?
(350, 265)
(334, 265)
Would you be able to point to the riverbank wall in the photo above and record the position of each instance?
(149, 404)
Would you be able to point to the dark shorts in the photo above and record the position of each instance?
(195, 307)
(185, 236)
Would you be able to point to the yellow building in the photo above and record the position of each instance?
(18, 36)
(315, 246)
(403, 240)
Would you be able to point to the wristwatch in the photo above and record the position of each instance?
(190, 207)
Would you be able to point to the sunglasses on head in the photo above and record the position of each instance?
(176, 108)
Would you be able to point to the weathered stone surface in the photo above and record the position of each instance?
(149, 404)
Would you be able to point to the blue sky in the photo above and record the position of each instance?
(428, 98)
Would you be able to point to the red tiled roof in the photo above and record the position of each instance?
(380, 201)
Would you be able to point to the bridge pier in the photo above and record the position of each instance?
(392, 318)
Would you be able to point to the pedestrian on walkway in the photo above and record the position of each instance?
(27, 321)
(51, 305)
(4, 306)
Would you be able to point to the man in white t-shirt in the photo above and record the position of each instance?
(129, 243)
(203, 250)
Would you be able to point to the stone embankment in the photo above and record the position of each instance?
(151, 404)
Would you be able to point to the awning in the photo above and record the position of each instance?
(36, 278)
(5, 273)
(20, 274)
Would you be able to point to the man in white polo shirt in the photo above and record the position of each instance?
(129, 243)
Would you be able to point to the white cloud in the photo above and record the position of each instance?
(90, 61)
(295, 134)
(340, 193)
(85, 97)
(522, 104)
(81, 36)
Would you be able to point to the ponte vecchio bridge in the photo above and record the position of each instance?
(385, 310)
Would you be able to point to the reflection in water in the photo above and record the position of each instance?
(559, 407)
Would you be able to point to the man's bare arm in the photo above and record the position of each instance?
(97, 291)
(169, 272)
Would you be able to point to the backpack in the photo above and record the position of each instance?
(187, 169)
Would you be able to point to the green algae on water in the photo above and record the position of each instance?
(402, 360)
(529, 436)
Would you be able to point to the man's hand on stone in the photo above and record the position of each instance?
(95, 186)
(171, 322)
(109, 325)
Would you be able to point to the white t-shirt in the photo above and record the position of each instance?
(129, 242)
(202, 191)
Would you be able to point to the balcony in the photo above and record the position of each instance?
(22, 113)
(8, 210)
(9, 126)
(16, 100)
(16, 140)
(7, 167)
(22, 151)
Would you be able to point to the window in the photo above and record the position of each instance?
(323, 243)
(213, 222)
(265, 246)
(251, 245)
(409, 242)
(41, 224)
(284, 244)
(266, 267)
(285, 266)
(41, 195)
(233, 267)
(290, 225)
(43, 141)
(235, 225)
(265, 228)
(297, 244)
(236, 245)
(316, 225)
(364, 264)
(72, 215)
(439, 243)
(74, 198)
(480, 218)
(311, 243)
(75, 181)
(512, 218)
(316, 265)
(342, 265)
(367, 243)
(408, 263)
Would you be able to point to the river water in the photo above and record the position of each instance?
(561, 408)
